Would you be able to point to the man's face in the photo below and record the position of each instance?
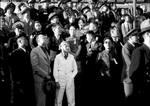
(92, 27)
(38, 26)
(72, 31)
(134, 39)
(65, 47)
(9, 10)
(146, 36)
(43, 40)
(115, 36)
(71, 19)
(54, 20)
(81, 23)
(57, 31)
(89, 37)
(24, 42)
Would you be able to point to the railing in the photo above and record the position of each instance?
(85, 1)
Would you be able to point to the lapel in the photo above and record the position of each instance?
(147, 51)
(46, 57)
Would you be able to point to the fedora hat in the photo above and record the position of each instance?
(145, 26)
(133, 32)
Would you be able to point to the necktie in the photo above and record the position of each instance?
(65, 56)
(45, 51)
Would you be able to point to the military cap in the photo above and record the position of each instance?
(19, 25)
(10, 5)
(52, 15)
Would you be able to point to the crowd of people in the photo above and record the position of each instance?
(57, 55)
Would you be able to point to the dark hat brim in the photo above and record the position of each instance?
(133, 32)
(43, 1)
(22, 35)
(18, 23)
(31, 1)
(25, 11)
(144, 30)
(51, 17)
(85, 8)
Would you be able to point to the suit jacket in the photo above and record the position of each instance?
(21, 68)
(92, 53)
(140, 66)
(23, 86)
(65, 69)
(106, 64)
(40, 64)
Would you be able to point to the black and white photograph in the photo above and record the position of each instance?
(74, 52)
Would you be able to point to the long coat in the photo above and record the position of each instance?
(126, 53)
(41, 69)
(139, 72)
(22, 77)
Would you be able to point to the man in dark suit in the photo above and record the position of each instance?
(40, 61)
(127, 50)
(139, 71)
(93, 48)
(22, 74)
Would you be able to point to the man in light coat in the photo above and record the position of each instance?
(65, 69)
